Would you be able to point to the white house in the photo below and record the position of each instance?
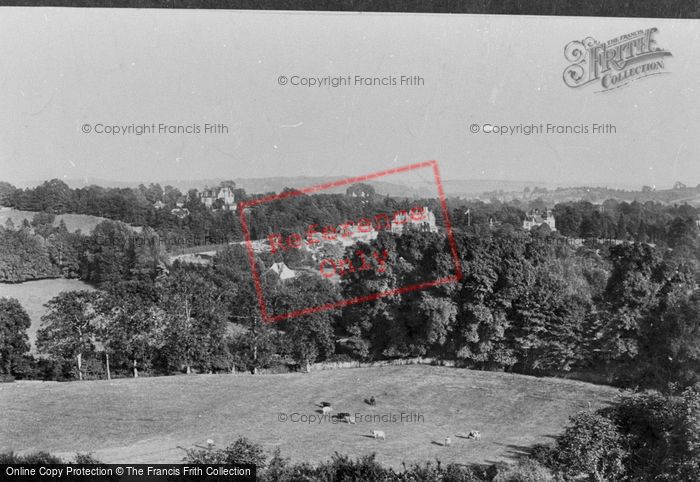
(535, 218)
(426, 223)
(283, 271)
(225, 193)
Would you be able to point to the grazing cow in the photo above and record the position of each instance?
(346, 417)
(475, 435)
(448, 441)
(371, 401)
(326, 410)
(379, 434)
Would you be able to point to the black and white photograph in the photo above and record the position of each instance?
(355, 242)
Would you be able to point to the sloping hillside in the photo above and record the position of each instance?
(146, 419)
(74, 222)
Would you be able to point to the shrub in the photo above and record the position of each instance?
(591, 446)
(448, 473)
(85, 459)
(242, 451)
(54, 369)
(342, 467)
(42, 458)
(526, 470)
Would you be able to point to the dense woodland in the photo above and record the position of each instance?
(41, 250)
(528, 302)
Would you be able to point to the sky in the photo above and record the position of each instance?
(62, 69)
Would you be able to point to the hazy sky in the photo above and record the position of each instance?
(62, 68)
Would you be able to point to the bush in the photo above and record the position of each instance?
(526, 470)
(643, 437)
(342, 467)
(449, 473)
(25, 368)
(242, 451)
(86, 459)
(591, 447)
(53, 369)
(42, 458)
(543, 454)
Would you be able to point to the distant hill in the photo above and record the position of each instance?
(475, 187)
(597, 195)
(484, 189)
(465, 187)
(257, 185)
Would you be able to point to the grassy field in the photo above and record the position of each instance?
(74, 222)
(146, 419)
(32, 295)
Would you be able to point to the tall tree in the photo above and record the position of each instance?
(70, 326)
(308, 337)
(234, 280)
(133, 323)
(14, 342)
(195, 319)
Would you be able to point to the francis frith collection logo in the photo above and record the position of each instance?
(614, 63)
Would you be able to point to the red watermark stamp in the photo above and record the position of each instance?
(347, 234)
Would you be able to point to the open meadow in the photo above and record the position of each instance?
(74, 222)
(147, 419)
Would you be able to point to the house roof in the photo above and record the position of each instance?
(282, 270)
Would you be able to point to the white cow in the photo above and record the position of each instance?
(326, 410)
(474, 434)
(379, 434)
(448, 441)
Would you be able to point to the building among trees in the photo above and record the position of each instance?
(222, 197)
(536, 218)
(426, 222)
(360, 190)
(283, 271)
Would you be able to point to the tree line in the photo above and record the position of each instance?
(669, 225)
(527, 303)
(666, 224)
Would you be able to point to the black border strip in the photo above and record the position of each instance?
(591, 8)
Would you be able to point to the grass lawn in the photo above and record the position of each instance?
(146, 419)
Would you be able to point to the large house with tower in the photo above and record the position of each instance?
(225, 193)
